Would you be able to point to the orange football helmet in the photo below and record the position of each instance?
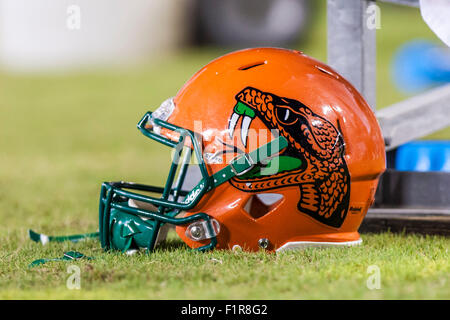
(289, 155)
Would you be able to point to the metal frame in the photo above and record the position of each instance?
(415, 117)
(351, 45)
(352, 52)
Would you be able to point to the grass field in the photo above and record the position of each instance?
(62, 134)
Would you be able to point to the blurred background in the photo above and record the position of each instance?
(77, 75)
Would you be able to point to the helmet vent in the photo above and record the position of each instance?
(252, 65)
(259, 205)
(327, 72)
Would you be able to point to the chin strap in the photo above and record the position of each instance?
(44, 239)
(68, 256)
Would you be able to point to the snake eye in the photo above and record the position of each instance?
(285, 115)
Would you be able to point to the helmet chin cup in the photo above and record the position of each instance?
(124, 227)
(128, 231)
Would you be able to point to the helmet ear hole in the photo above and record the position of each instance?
(259, 205)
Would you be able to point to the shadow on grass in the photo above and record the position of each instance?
(171, 245)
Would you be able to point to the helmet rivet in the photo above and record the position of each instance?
(263, 243)
(196, 232)
(236, 247)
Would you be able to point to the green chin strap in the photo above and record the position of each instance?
(42, 238)
(124, 227)
(68, 256)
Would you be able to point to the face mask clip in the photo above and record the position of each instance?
(200, 230)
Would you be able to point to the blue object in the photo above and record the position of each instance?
(420, 65)
(424, 156)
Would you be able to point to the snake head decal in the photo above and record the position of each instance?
(314, 159)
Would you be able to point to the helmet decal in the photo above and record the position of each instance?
(313, 161)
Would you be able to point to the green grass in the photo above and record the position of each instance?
(62, 134)
(410, 267)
